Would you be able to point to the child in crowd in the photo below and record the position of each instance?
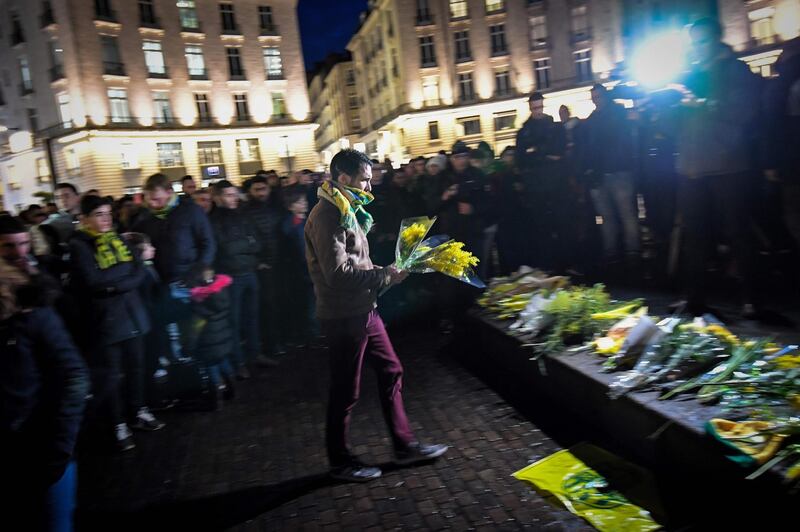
(298, 291)
(208, 336)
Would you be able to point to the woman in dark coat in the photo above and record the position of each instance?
(105, 280)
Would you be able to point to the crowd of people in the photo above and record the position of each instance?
(102, 298)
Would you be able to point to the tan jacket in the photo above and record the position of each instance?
(346, 282)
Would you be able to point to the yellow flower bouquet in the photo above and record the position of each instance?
(417, 254)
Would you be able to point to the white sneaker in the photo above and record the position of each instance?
(124, 437)
(146, 421)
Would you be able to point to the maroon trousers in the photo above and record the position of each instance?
(351, 340)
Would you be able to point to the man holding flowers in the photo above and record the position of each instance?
(347, 284)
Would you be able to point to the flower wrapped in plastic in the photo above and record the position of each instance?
(417, 254)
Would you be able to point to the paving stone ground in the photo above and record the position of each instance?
(259, 464)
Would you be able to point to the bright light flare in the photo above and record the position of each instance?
(660, 59)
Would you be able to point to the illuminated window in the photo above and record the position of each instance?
(430, 90)
(209, 152)
(538, 26)
(505, 121)
(188, 14)
(64, 109)
(154, 57)
(541, 69)
(462, 46)
(170, 154)
(278, 104)
(163, 110)
(118, 101)
(273, 63)
(583, 65)
(495, 5)
(466, 90)
(762, 25)
(248, 150)
(195, 61)
(498, 38)
(25, 74)
(427, 51)
(458, 9)
(468, 126)
(502, 83)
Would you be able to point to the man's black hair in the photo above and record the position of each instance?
(292, 194)
(90, 203)
(187, 178)
(258, 178)
(10, 225)
(599, 87)
(70, 186)
(261, 172)
(535, 97)
(348, 162)
(221, 185)
(710, 24)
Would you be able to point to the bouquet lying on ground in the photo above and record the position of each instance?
(417, 254)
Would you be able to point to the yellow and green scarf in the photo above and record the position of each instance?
(164, 211)
(109, 249)
(350, 202)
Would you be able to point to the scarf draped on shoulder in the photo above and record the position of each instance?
(350, 203)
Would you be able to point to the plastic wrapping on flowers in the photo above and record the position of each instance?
(417, 254)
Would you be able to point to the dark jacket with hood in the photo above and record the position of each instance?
(237, 241)
(608, 138)
(183, 238)
(266, 217)
(107, 290)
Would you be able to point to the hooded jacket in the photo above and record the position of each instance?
(237, 241)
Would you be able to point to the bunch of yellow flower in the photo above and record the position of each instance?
(413, 234)
(451, 259)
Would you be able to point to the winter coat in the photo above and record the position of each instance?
(346, 282)
(781, 120)
(43, 387)
(716, 137)
(183, 238)
(266, 218)
(537, 139)
(210, 337)
(608, 141)
(474, 190)
(108, 294)
(237, 241)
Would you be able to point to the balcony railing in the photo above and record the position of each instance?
(193, 29)
(235, 30)
(580, 35)
(152, 23)
(271, 29)
(240, 76)
(106, 15)
(113, 69)
(56, 72)
(158, 75)
(275, 75)
(540, 44)
(198, 74)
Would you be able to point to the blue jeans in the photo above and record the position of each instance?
(614, 200)
(244, 318)
(216, 371)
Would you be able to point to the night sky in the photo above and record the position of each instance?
(326, 26)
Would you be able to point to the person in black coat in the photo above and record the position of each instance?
(105, 280)
(237, 256)
(43, 387)
(266, 216)
(179, 230)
